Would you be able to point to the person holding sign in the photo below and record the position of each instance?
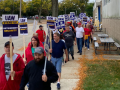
(5, 74)
(57, 54)
(29, 52)
(33, 73)
(41, 34)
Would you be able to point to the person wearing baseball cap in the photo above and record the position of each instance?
(79, 36)
(33, 73)
(5, 69)
(41, 34)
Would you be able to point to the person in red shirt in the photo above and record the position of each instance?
(88, 33)
(5, 69)
(41, 34)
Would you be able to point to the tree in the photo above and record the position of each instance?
(89, 9)
(55, 8)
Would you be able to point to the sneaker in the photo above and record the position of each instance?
(72, 57)
(58, 85)
(88, 49)
(78, 52)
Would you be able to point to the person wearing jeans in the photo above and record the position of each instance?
(79, 35)
(69, 40)
(57, 55)
(88, 33)
(79, 44)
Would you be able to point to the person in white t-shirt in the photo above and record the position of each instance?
(79, 36)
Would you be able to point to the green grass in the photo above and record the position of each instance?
(102, 75)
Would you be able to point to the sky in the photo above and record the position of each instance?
(89, 1)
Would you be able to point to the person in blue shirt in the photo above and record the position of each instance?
(57, 54)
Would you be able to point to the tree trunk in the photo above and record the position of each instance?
(40, 10)
(55, 8)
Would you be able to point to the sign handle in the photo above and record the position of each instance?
(11, 58)
(50, 39)
(24, 46)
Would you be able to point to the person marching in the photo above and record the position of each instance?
(88, 33)
(79, 36)
(57, 55)
(29, 52)
(41, 34)
(5, 74)
(69, 41)
(33, 73)
(41, 44)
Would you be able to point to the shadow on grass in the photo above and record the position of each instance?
(102, 75)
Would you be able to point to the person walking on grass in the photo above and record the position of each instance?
(57, 54)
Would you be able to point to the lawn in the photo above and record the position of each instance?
(102, 75)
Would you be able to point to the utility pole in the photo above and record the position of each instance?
(20, 8)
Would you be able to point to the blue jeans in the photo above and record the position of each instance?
(87, 42)
(79, 44)
(70, 50)
(57, 62)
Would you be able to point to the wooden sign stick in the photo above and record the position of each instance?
(50, 41)
(24, 46)
(11, 57)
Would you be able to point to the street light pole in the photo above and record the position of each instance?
(20, 8)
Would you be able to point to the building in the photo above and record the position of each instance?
(111, 18)
(97, 10)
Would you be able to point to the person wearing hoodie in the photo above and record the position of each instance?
(36, 76)
(5, 69)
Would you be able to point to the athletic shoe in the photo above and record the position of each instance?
(85, 47)
(72, 57)
(88, 49)
(58, 85)
(78, 52)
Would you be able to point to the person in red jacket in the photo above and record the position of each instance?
(5, 70)
(41, 34)
(41, 44)
(29, 52)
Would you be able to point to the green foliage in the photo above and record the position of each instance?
(102, 75)
(89, 9)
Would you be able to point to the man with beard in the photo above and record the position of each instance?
(33, 73)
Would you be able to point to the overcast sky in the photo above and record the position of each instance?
(89, 0)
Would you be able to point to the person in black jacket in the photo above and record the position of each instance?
(33, 73)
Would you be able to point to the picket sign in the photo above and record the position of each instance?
(11, 58)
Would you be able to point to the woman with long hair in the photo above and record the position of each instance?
(88, 33)
(29, 52)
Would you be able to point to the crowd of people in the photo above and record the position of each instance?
(28, 70)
